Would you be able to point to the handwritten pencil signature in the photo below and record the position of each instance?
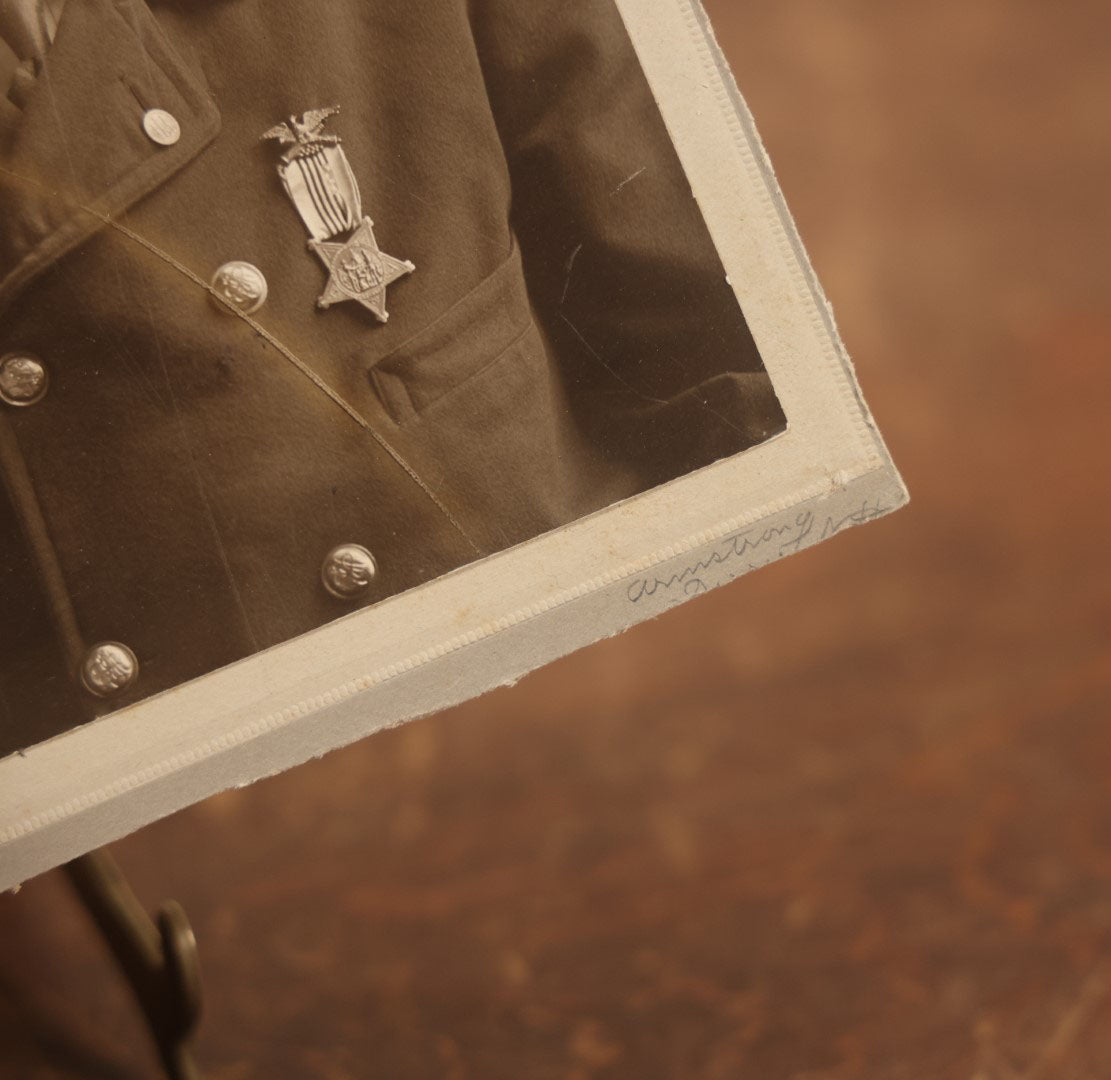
(750, 546)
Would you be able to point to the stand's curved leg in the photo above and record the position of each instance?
(159, 961)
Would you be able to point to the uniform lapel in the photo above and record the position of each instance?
(78, 154)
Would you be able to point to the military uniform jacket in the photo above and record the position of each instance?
(567, 339)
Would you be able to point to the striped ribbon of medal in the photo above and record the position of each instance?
(320, 183)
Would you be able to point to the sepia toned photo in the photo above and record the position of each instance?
(287, 331)
(357, 359)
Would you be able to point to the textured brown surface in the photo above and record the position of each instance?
(849, 817)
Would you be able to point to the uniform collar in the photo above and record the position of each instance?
(27, 26)
(78, 154)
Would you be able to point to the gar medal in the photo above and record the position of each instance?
(318, 179)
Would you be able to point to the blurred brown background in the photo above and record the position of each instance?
(849, 817)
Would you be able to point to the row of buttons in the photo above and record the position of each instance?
(347, 571)
(111, 667)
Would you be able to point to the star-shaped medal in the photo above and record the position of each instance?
(359, 270)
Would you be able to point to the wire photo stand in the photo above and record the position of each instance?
(158, 957)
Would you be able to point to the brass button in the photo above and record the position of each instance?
(241, 285)
(348, 571)
(161, 127)
(23, 379)
(109, 668)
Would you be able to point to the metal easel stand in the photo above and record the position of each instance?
(158, 960)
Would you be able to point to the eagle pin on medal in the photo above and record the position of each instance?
(318, 179)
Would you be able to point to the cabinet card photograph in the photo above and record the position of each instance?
(356, 358)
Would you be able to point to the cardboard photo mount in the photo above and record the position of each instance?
(489, 623)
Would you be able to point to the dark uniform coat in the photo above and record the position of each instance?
(567, 339)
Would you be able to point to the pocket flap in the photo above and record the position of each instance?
(472, 333)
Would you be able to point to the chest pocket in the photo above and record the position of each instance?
(481, 331)
(483, 397)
